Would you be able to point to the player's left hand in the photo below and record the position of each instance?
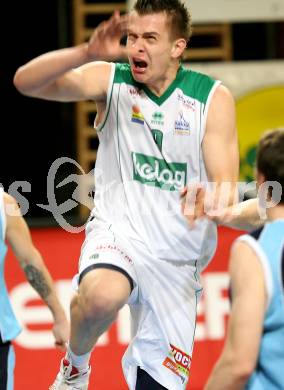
(61, 332)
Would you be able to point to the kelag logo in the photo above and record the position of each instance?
(156, 172)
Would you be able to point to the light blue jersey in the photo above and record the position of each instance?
(268, 243)
(9, 326)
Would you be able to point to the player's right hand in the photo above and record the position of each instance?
(105, 42)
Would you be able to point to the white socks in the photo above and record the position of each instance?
(79, 361)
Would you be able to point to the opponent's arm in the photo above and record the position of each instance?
(30, 260)
(245, 215)
(249, 299)
(71, 74)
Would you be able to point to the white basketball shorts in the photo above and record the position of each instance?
(163, 305)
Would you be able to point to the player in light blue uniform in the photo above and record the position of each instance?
(9, 326)
(268, 243)
(253, 356)
(14, 229)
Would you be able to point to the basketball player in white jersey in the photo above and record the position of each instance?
(161, 127)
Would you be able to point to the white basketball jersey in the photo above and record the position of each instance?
(150, 148)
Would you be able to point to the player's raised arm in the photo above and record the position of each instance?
(71, 74)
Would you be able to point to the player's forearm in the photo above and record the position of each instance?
(47, 68)
(227, 376)
(40, 279)
(244, 216)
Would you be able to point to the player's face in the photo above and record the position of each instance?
(149, 45)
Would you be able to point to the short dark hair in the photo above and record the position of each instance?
(270, 157)
(178, 13)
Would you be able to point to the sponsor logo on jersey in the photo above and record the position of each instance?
(187, 102)
(182, 126)
(157, 172)
(157, 119)
(137, 116)
(178, 362)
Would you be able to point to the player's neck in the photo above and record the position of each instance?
(276, 212)
(160, 85)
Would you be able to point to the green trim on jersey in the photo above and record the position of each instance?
(117, 131)
(196, 85)
(123, 75)
(161, 99)
(193, 84)
(196, 302)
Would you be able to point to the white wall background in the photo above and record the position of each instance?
(207, 11)
(244, 76)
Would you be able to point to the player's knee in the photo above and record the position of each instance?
(99, 304)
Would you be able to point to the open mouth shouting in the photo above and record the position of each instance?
(139, 65)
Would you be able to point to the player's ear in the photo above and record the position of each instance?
(178, 48)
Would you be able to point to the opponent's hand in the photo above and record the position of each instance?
(193, 203)
(104, 43)
(198, 202)
(61, 333)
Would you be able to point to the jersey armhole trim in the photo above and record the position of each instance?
(253, 244)
(99, 128)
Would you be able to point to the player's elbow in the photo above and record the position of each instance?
(18, 81)
(243, 368)
(243, 372)
(21, 82)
